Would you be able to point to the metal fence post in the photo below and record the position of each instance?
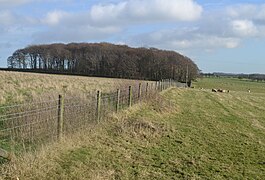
(118, 100)
(60, 117)
(98, 105)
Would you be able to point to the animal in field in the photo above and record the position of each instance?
(220, 90)
(214, 90)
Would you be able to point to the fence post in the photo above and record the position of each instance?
(146, 89)
(140, 91)
(60, 117)
(98, 105)
(118, 100)
(156, 86)
(130, 96)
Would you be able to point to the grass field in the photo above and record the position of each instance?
(231, 84)
(17, 87)
(180, 134)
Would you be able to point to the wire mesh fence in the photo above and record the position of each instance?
(25, 126)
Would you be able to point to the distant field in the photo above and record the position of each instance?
(231, 84)
(20, 87)
(182, 134)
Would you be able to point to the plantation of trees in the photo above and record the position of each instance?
(104, 59)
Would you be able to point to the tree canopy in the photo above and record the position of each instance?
(104, 59)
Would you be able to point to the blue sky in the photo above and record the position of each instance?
(220, 36)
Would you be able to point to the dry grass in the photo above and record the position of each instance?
(20, 87)
(194, 134)
(35, 122)
(50, 161)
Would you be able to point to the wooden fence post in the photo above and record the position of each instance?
(118, 100)
(140, 91)
(60, 117)
(130, 96)
(98, 105)
(146, 89)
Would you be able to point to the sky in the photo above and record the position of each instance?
(218, 35)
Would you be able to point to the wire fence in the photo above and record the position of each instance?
(26, 126)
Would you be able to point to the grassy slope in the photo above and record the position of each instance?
(196, 134)
(17, 87)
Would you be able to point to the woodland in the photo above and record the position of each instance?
(105, 60)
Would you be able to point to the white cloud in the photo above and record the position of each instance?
(7, 18)
(80, 34)
(13, 3)
(10, 19)
(115, 17)
(130, 12)
(54, 17)
(232, 43)
(242, 11)
(186, 25)
(255, 13)
(146, 11)
(261, 13)
(181, 39)
(244, 28)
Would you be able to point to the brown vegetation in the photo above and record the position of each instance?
(105, 60)
(17, 87)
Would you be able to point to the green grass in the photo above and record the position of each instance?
(232, 84)
(184, 134)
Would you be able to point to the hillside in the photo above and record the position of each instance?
(180, 134)
(17, 87)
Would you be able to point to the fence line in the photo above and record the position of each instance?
(25, 126)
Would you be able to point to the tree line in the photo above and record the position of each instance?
(253, 77)
(105, 59)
